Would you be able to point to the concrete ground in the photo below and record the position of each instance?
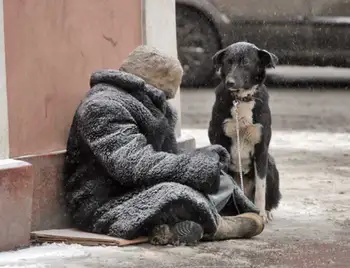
(311, 228)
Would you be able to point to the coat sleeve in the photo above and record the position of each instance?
(114, 139)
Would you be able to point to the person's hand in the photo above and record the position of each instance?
(224, 156)
(221, 152)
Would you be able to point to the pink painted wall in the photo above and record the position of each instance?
(52, 46)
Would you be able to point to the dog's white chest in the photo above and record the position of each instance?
(249, 134)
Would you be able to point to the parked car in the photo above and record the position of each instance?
(299, 32)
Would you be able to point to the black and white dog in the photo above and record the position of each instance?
(242, 68)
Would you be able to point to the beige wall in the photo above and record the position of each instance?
(51, 48)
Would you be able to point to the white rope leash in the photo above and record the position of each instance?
(235, 103)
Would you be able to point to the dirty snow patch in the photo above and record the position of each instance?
(45, 252)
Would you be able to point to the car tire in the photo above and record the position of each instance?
(197, 42)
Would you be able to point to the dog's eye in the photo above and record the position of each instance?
(230, 61)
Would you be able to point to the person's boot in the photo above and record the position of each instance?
(245, 225)
(182, 233)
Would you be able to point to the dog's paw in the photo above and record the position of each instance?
(269, 215)
(264, 214)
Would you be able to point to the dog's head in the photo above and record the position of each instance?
(242, 66)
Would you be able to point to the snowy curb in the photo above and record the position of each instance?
(291, 140)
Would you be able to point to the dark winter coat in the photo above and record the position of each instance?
(123, 172)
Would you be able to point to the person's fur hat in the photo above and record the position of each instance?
(156, 68)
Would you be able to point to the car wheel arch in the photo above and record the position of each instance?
(203, 11)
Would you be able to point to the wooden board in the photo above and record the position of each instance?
(74, 236)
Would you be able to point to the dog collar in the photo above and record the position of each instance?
(247, 98)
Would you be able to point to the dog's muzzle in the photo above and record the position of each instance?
(230, 83)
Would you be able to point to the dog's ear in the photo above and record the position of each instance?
(268, 59)
(217, 59)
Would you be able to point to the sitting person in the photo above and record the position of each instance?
(124, 175)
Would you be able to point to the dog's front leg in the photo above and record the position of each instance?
(260, 170)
